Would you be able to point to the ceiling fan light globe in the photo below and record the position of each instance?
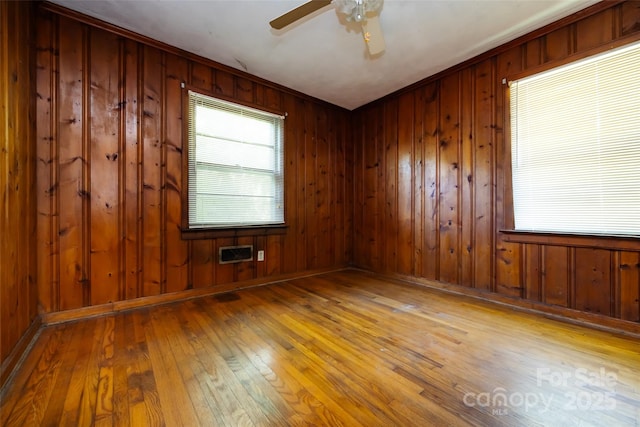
(372, 5)
(344, 6)
(358, 13)
(356, 10)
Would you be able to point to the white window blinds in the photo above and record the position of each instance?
(235, 165)
(576, 146)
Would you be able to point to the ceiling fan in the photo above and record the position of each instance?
(365, 12)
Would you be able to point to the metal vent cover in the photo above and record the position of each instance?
(231, 254)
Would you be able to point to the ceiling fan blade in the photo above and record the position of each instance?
(298, 13)
(372, 32)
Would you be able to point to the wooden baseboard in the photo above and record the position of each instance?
(118, 306)
(14, 359)
(568, 315)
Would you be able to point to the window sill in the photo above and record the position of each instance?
(595, 241)
(213, 233)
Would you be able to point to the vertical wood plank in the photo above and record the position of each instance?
(336, 199)
(405, 208)
(28, 280)
(629, 285)
(201, 76)
(595, 30)
(532, 273)
(509, 269)
(372, 196)
(151, 165)
(224, 83)
(593, 281)
(376, 170)
(357, 148)
(246, 270)
(390, 237)
(418, 183)
(17, 180)
(557, 44)
(104, 172)
(468, 104)
(299, 160)
(323, 223)
(534, 53)
(555, 275)
(244, 90)
(449, 154)
(484, 149)
(630, 22)
(72, 166)
(431, 251)
(46, 170)
(272, 98)
(273, 255)
(132, 180)
(311, 184)
(291, 176)
(202, 261)
(300, 211)
(347, 183)
(177, 251)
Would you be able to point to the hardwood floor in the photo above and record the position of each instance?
(345, 348)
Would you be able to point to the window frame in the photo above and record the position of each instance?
(507, 229)
(222, 231)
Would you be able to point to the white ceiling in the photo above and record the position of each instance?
(323, 55)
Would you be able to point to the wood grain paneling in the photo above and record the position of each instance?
(449, 192)
(131, 179)
(389, 186)
(406, 199)
(414, 184)
(101, 150)
(627, 286)
(480, 179)
(431, 217)
(70, 188)
(110, 182)
(18, 297)
(153, 170)
(446, 173)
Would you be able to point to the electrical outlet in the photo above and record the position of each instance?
(260, 255)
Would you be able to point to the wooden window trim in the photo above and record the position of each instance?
(508, 232)
(593, 241)
(212, 233)
(622, 41)
(216, 232)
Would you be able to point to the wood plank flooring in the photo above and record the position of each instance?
(345, 348)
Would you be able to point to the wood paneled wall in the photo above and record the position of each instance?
(17, 180)
(109, 171)
(432, 183)
(419, 187)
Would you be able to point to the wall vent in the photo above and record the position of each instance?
(231, 254)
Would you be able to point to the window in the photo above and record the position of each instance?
(235, 165)
(575, 135)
